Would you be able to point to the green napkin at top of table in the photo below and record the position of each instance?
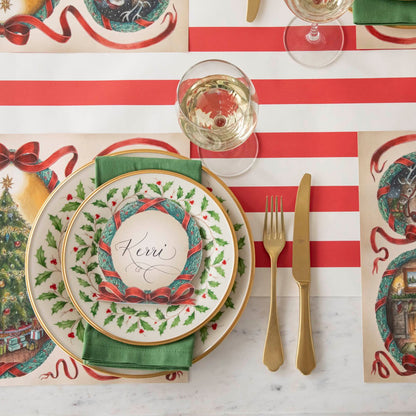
(384, 12)
(100, 350)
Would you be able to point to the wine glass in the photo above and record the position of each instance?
(325, 40)
(217, 107)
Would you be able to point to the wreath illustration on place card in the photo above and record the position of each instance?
(149, 252)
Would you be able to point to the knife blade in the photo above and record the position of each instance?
(301, 265)
(252, 9)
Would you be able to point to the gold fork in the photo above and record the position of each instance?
(273, 240)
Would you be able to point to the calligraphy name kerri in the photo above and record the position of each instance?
(141, 256)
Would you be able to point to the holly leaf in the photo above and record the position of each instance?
(145, 325)
(101, 220)
(83, 282)
(201, 308)
(159, 314)
(219, 258)
(47, 296)
(221, 242)
(78, 269)
(40, 255)
(162, 327)
(179, 194)
(61, 287)
(56, 222)
(203, 332)
(187, 206)
(133, 327)
(213, 283)
(216, 229)
(207, 262)
(113, 307)
(204, 203)
(65, 324)
(93, 249)
(220, 271)
(111, 193)
(99, 203)
(81, 253)
(120, 321)
(94, 308)
(214, 215)
(241, 242)
(109, 319)
(209, 245)
(190, 319)
(217, 316)
(175, 322)
(143, 314)
(204, 276)
(138, 187)
(199, 291)
(172, 308)
(128, 310)
(79, 240)
(241, 266)
(212, 295)
(80, 331)
(92, 266)
(84, 296)
(98, 279)
(87, 227)
(50, 239)
(80, 191)
(42, 277)
(190, 194)
(229, 303)
(154, 188)
(89, 217)
(70, 206)
(58, 306)
(167, 186)
(97, 235)
(237, 226)
(125, 191)
(220, 199)
(203, 233)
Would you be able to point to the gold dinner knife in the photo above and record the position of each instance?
(252, 9)
(301, 265)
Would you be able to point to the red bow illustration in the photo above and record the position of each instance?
(26, 158)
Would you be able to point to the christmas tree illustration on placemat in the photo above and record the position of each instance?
(22, 339)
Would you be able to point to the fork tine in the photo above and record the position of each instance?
(271, 216)
(281, 216)
(276, 210)
(265, 216)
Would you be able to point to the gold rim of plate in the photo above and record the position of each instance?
(79, 211)
(233, 323)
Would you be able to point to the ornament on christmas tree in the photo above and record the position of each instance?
(17, 244)
(6, 311)
(2, 284)
(7, 237)
(10, 215)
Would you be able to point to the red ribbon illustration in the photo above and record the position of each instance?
(391, 39)
(65, 368)
(26, 158)
(183, 295)
(408, 363)
(16, 30)
(11, 368)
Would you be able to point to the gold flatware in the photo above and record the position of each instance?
(252, 9)
(273, 240)
(305, 356)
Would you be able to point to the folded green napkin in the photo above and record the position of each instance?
(99, 350)
(384, 12)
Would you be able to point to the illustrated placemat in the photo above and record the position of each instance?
(385, 37)
(387, 163)
(30, 168)
(94, 25)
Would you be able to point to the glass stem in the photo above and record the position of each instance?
(313, 36)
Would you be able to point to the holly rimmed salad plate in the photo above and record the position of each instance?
(50, 300)
(149, 317)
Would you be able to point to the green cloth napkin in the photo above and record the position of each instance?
(99, 350)
(384, 12)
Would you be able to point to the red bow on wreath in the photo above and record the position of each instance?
(26, 158)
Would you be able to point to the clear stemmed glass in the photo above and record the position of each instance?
(325, 36)
(217, 107)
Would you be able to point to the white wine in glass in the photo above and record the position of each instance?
(324, 37)
(217, 110)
